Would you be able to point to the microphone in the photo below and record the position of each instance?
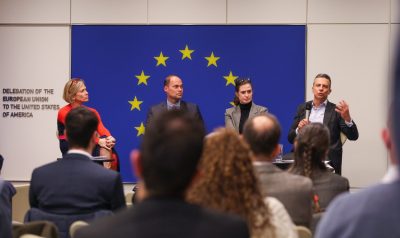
(308, 110)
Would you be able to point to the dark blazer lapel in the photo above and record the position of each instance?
(164, 106)
(329, 110)
(183, 106)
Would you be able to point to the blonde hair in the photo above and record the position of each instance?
(227, 181)
(71, 88)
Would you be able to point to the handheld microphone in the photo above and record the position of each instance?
(308, 111)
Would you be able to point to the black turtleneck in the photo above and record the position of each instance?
(244, 114)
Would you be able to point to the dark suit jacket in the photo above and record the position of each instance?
(335, 124)
(293, 191)
(75, 185)
(7, 191)
(156, 110)
(166, 218)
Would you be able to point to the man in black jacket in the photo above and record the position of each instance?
(335, 117)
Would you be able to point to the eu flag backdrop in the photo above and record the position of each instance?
(124, 68)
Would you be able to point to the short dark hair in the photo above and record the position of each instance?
(262, 140)
(325, 76)
(170, 152)
(80, 125)
(168, 79)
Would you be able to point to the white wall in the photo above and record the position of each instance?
(350, 40)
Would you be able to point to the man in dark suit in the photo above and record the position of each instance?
(75, 184)
(294, 191)
(166, 166)
(173, 88)
(7, 191)
(5, 209)
(335, 117)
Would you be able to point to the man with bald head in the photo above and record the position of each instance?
(262, 133)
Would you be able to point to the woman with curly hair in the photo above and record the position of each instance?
(227, 183)
(311, 148)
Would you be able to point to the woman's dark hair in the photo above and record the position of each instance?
(310, 151)
(239, 82)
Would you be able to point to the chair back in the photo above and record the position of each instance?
(343, 138)
(63, 222)
(20, 202)
(35, 228)
(76, 226)
(303, 232)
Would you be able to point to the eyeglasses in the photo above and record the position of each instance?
(241, 81)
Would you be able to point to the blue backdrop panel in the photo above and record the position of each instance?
(111, 59)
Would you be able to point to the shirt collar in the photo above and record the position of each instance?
(170, 104)
(77, 151)
(321, 105)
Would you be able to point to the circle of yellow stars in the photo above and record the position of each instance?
(161, 60)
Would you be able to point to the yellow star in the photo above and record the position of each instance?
(186, 53)
(212, 60)
(232, 103)
(140, 129)
(230, 79)
(135, 104)
(161, 59)
(142, 78)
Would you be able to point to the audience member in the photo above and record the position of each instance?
(335, 116)
(173, 88)
(310, 150)
(5, 210)
(7, 191)
(167, 165)
(374, 211)
(245, 108)
(262, 133)
(76, 94)
(75, 184)
(227, 183)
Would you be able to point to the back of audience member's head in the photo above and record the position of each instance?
(227, 182)
(80, 124)
(1, 162)
(170, 153)
(262, 133)
(310, 149)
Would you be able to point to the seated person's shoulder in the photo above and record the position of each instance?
(340, 180)
(298, 180)
(230, 110)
